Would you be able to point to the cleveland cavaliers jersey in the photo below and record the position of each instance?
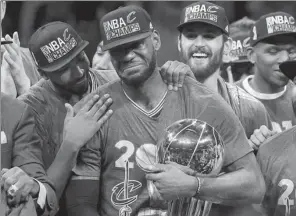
(278, 105)
(277, 164)
(123, 187)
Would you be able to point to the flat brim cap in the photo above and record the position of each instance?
(55, 45)
(272, 24)
(289, 69)
(124, 25)
(204, 12)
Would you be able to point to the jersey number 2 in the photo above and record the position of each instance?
(130, 149)
(288, 187)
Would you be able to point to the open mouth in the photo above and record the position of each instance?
(200, 55)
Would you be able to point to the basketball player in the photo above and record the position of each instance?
(272, 42)
(276, 158)
(201, 44)
(108, 172)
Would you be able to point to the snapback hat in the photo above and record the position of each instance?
(54, 45)
(125, 25)
(272, 24)
(204, 12)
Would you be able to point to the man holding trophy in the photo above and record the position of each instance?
(202, 40)
(193, 126)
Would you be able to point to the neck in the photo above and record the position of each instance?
(211, 81)
(260, 85)
(148, 94)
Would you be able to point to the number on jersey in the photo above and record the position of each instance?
(130, 149)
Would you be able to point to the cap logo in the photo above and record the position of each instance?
(280, 24)
(201, 12)
(121, 26)
(58, 48)
(238, 47)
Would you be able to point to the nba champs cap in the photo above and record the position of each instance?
(205, 12)
(54, 45)
(125, 25)
(272, 24)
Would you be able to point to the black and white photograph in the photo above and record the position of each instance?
(148, 108)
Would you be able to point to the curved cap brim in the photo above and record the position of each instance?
(126, 40)
(56, 66)
(181, 26)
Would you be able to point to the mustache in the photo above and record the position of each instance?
(200, 50)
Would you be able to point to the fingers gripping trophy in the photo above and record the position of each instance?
(197, 145)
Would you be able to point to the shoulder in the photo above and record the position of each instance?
(105, 76)
(276, 144)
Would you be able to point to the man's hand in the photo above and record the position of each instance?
(14, 59)
(259, 136)
(18, 185)
(80, 127)
(173, 74)
(7, 82)
(171, 182)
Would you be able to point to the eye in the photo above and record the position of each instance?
(273, 51)
(190, 35)
(209, 35)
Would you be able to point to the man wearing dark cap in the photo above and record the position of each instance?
(272, 43)
(58, 53)
(237, 59)
(114, 182)
(202, 41)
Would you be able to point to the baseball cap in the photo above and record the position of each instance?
(204, 12)
(288, 68)
(272, 24)
(54, 45)
(125, 25)
(239, 32)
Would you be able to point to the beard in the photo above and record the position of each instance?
(140, 77)
(205, 70)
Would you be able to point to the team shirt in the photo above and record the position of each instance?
(277, 164)
(110, 156)
(250, 111)
(48, 105)
(278, 105)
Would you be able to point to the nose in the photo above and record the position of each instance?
(78, 72)
(128, 55)
(199, 41)
(284, 56)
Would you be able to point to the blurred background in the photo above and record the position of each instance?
(26, 16)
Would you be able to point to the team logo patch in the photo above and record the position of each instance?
(121, 26)
(59, 47)
(201, 12)
(280, 24)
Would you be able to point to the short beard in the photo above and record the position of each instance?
(139, 81)
(211, 68)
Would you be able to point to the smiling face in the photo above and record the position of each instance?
(201, 46)
(269, 54)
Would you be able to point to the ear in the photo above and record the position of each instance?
(251, 54)
(179, 43)
(156, 40)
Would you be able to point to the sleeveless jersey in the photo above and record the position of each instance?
(112, 160)
(279, 105)
(277, 164)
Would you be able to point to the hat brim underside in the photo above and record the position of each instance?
(56, 66)
(126, 40)
(181, 26)
(289, 69)
(273, 35)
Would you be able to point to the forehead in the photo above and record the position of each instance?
(200, 27)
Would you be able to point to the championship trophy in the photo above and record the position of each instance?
(197, 145)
